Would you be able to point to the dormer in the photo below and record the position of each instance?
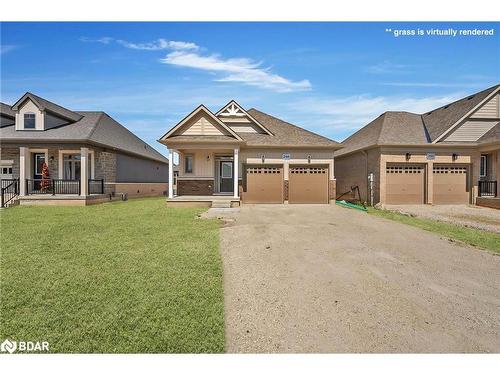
(33, 113)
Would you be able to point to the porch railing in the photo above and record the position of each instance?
(9, 191)
(52, 186)
(487, 188)
(96, 186)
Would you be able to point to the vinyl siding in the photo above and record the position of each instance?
(471, 131)
(202, 126)
(490, 109)
(133, 169)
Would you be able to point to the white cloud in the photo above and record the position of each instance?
(103, 40)
(5, 48)
(386, 67)
(340, 114)
(242, 70)
(159, 44)
(433, 84)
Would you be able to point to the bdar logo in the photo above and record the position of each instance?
(8, 346)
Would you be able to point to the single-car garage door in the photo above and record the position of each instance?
(264, 184)
(405, 184)
(308, 184)
(450, 184)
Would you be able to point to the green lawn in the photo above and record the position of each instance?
(474, 237)
(119, 277)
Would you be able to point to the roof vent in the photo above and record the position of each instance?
(446, 106)
(470, 97)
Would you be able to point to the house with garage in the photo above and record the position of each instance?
(53, 155)
(235, 155)
(449, 155)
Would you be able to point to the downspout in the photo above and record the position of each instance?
(369, 189)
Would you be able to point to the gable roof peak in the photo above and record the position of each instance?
(201, 107)
(44, 104)
(233, 109)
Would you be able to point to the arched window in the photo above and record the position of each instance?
(29, 120)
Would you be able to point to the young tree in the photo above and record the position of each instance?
(45, 183)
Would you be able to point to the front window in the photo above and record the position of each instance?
(483, 166)
(71, 166)
(188, 164)
(29, 120)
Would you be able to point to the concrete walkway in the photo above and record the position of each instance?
(318, 278)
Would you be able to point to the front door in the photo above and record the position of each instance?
(38, 160)
(226, 177)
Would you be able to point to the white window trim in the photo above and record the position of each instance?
(185, 164)
(24, 120)
(61, 160)
(485, 158)
(30, 159)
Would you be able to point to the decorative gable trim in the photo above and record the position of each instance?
(468, 114)
(200, 108)
(233, 109)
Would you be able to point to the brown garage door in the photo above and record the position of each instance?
(450, 184)
(405, 184)
(308, 185)
(263, 184)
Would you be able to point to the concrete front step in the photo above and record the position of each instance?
(221, 204)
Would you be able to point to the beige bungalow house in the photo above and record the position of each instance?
(236, 155)
(450, 155)
(90, 156)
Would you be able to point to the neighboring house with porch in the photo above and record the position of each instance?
(450, 155)
(235, 154)
(89, 155)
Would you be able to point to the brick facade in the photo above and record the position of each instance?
(195, 187)
(285, 190)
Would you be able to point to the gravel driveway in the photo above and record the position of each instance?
(468, 216)
(319, 278)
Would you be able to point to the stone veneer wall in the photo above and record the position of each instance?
(195, 187)
(12, 154)
(105, 166)
(332, 189)
(286, 190)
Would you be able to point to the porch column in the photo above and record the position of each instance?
(84, 171)
(170, 173)
(23, 169)
(236, 165)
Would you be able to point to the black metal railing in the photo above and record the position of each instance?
(96, 186)
(9, 191)
(487, 188)
(52, 186)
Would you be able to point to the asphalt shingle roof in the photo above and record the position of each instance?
(94, 127)
(284, 134)
(440, 119)
(405, 128)
(6, 110)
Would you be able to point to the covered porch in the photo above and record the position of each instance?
(206, 173)
(52, 175)
(488, 194)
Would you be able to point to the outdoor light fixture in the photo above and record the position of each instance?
(262, 158)
(208, 157)
(454, 157)
(309, 159)
(408, 156)
(51, 158)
